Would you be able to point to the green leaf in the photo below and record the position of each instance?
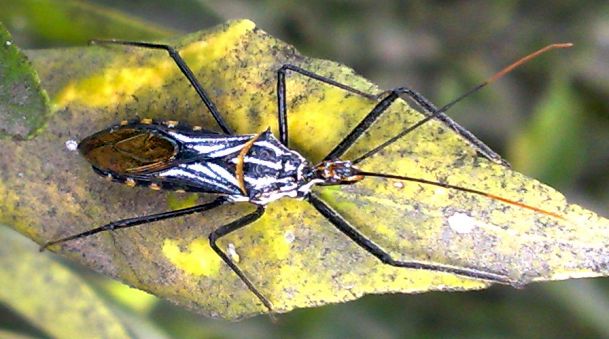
(50, 296)
(23, 104)
(73, 22)
(550, 145)
(293, 255)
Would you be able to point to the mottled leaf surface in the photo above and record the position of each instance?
(293, 255)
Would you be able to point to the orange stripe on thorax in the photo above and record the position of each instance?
(239, 173)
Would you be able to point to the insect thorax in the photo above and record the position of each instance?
(168, 155)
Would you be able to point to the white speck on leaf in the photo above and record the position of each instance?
(398, 184)
(71, 145)
(461, 223)
(8, 43)
(440, 191)
(289, 237)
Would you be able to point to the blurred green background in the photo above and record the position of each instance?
(550, 119)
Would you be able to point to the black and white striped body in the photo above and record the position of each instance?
(166, 155)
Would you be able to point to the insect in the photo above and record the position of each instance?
(261, 168)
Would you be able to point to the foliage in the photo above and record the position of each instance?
(589, 103)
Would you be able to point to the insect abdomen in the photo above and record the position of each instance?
(171, 156)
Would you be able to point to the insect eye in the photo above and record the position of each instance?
(127, 150)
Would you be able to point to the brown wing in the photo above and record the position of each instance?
(128, 150)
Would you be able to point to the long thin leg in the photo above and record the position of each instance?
(374, 114)
(430, 109)
(395, 138)
(125, 223)
(229, 228)
(185, 70)
(342, 225)
(281, 94)
(431, 112)
(363, 126)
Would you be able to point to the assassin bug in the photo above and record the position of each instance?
(260, 168)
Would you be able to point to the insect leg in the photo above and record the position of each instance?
(342, 225)
(362, 127)
(432, 111)
(437, 113)
(227, 229)
(388, 98)
(185, 70)
(125, 223)
(281, 95)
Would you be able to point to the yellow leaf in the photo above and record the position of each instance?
(294, 256)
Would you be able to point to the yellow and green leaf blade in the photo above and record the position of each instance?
(294, 256)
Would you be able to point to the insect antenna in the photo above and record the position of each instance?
(475, 89)
(462, 189)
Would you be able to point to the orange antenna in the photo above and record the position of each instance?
(526, 59)
(463, 189)
(503, 72)
(490, 80)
